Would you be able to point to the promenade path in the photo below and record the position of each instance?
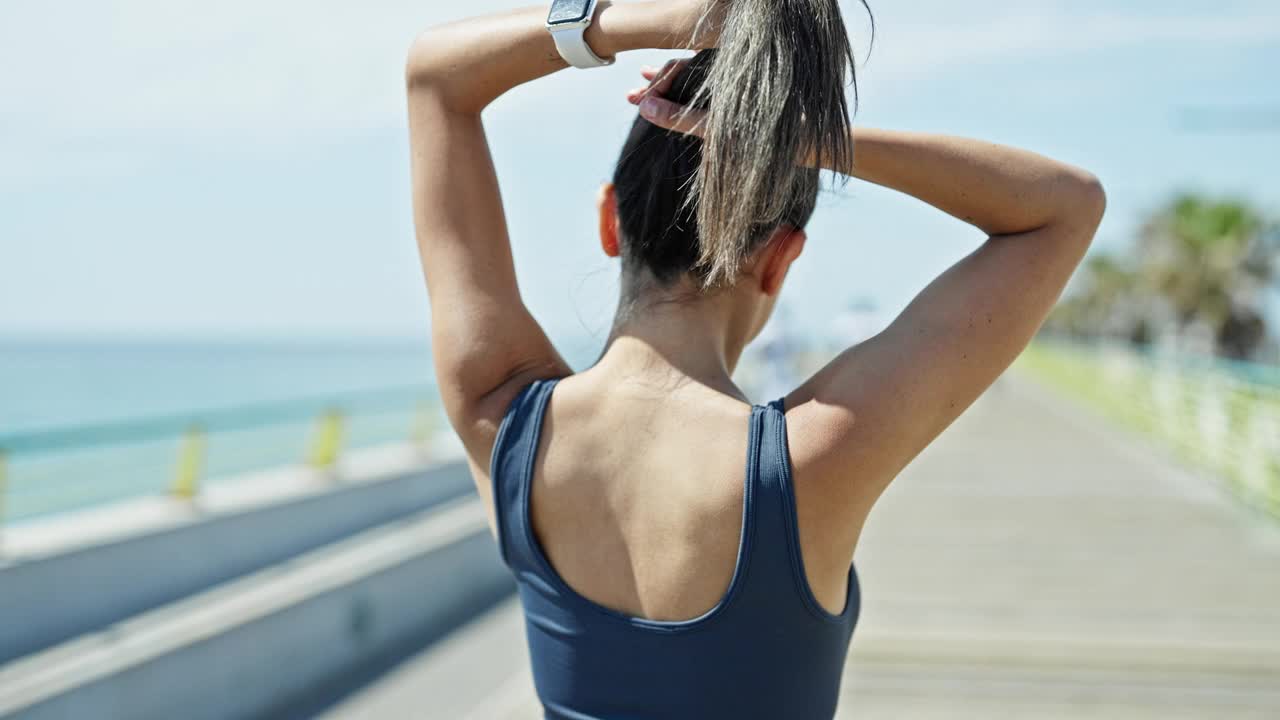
(1035, 562)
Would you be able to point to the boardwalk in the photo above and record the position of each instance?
(1033, 563)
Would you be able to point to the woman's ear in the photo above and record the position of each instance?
(782, 249)
(607, 203)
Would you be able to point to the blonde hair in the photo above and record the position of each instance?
(774, 92)
(775, 95)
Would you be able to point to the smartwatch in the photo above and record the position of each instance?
(568, 23)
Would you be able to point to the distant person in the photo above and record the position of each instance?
(857, 323)
(680, 552)
(777, 349)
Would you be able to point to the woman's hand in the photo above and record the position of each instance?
(657, 109)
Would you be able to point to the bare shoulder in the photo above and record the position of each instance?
(846, 437)
(832, 435)
(869, 412)
(834, 493)
(477, 424)
(486, 413)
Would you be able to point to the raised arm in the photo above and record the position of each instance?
(880, 403)
(869, 412)
(886, 399)
(485, 342)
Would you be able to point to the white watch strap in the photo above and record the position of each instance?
(573, 47)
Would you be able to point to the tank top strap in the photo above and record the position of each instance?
(777, 567)
(510, 467)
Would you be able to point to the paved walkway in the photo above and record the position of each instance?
(1033, 563)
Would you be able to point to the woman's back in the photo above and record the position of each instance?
(680, 552)
(653, 534)
(654, 477)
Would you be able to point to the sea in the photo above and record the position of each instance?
(87, 422)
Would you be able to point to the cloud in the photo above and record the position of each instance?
(297, 68)
(139, 97)
(918, 47)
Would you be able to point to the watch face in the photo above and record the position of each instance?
(568, 11)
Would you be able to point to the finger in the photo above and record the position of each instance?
(636, 96)
(651, 73)
(673, 116)
(660, 82)
(663, 83)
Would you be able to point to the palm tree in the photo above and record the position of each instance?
(1210, 261)
(1103, 305)
(1200, 265)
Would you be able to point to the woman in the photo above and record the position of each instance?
(660, 575)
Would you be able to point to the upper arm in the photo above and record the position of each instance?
(883, 401)
(485, 343)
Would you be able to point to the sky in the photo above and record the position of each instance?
(239, 169)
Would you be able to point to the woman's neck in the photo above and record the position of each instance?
(701, 340)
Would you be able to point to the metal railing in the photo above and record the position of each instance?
(1220, 416)
(55, 470)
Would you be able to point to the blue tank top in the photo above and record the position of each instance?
(766, 650)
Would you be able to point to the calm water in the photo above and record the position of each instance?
(62, 384)
(56, 385)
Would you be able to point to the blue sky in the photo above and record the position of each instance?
(239, 169)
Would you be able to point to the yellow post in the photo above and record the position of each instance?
(186, 483)
(422, 426)
(328, 440)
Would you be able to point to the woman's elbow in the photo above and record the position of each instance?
(1082, 203)
(424, 68)
(1092, 201)
(431, 73)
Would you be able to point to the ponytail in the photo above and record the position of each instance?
(776, 94)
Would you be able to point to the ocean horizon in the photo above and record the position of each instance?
(53, 383)
(67, 381)
(64, 384)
